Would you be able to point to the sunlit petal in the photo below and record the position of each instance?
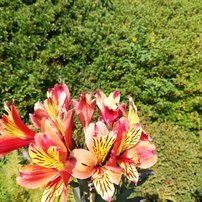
(112, 100)
(94, 130)
(44, 141)
(146, 153)
(53, 189)
(132, 114)
(115, 173)
(103, 184)
(99, 140)
(130, 171)
(38, 115)
(49, 127)
(8, 144)
(102, 146)
(51, 108)
(48, 152)
(67, 126)
(84, 108)
(132, 137)
(120, 128)
(34, 176)
(49, 159)
(60, 95)
(12, 125)
(108, 106)
(131, 155)
(82, 163)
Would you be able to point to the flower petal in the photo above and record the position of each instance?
(99, 140)
(38, 115)
(130, 171)
(49, 127)
(12, 125)
(94, 130)
(55, 188)
(8, 144)
(46, 152)
(34, 176)
(51, 138)
(82, 163)
(84, 108)
(108, 106)
(103, 184)
(132, 114)
(132, 137)
(60, 95)
(58, 101)
(146, 153)
(49, 159)
(115, 173)
(19, 123)
(67, 125)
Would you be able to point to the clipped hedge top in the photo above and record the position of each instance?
(152, 53)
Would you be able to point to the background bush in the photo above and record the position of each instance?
(148, 49)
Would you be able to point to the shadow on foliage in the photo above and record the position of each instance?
(144, 174)
(28, 2)
(126, 190)
(198, 196)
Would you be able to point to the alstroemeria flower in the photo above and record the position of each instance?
(92, 163)
(84, 108)
(130, 139)
(142, 155)
(14, 133)
(129, 129)
(48, 155)
(55, 107)
(109, 106)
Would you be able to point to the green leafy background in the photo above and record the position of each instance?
(149, 49)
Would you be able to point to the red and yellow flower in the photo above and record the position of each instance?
(14, 133)
(116, 143)
(92, 162)
(55, 107)
(133, 147)
(48, 154)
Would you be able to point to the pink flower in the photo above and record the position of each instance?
(109, 108)
(84, 108)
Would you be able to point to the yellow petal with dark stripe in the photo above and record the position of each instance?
(49, 159)
(130, 171)
(53, 189)
(132, 114)
(102, 145)
(10, 128)
(103, 184)
(132, 137)
(51, 108)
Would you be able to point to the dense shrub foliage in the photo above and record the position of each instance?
(148, 49)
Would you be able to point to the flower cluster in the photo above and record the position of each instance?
(115, 143)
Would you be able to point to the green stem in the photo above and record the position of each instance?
(92, 196)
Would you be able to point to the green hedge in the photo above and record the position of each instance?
(177, 175)
(148, 49)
